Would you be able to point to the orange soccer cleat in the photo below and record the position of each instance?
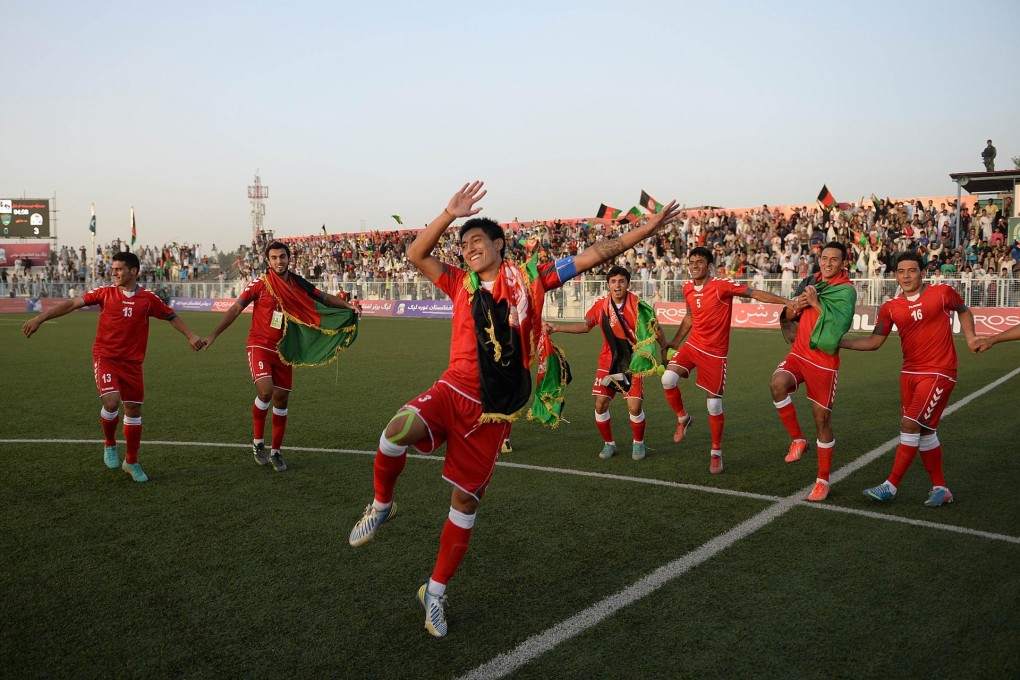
(819, 492)
(716, 466)
(681, 429)
(797, 449)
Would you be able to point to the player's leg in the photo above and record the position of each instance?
(826, 446)
(262, 376)
(637, 422)
(453, 544)
(603, 421)
(108, 420)
(931, 456)
(406, 427)
(716, 420)
(679, 366)
(133, 440)
(784, 382)
(281, 398)
(910, 436)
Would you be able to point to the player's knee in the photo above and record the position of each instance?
(714, 406)
(780, 386)
(669, 380)
(398, 430)
(927, 442)
(391, 449)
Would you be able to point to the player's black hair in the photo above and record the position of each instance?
(838, 246)
(489, 227)
(618, 271)
(130, 259)
(911, 256)
(277, 245)
(702, 251)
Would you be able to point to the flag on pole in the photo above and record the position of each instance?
(650, 204)
(608, 212)
(134, 232)
(826, 198)
(633, 215)
(324, 232)
(397, 218)
(92, 222)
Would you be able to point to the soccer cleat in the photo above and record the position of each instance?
(607, 451)
(797, 450)
(277, 460)
(507, 447)
(638, 451)
(135, 470)
(435, 611)
(938, 496)
(716, 466)
(259, 451)
(110, 457)
(819, 492)
(882, 492)
(364, 530)
(681, 429)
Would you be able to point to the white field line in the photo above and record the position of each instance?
(508, 662)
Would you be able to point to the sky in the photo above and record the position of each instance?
(352, 112)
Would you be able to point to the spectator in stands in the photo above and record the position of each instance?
(988, 156)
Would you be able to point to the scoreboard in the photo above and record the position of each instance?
(24, 218)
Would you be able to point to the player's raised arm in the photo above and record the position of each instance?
(461, 205)
(607, 250)
(66, 307)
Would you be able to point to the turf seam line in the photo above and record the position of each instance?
(506, 663)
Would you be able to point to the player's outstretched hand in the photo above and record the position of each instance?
(206, 342)
(979, 345)
(357, 309)
(196, 343)
(668, 213)
(547, 328)
(462, 203)
(31, 326)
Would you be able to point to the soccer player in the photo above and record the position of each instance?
(616, 314)
(709, 314)
(823, 312)
(984, 344)
(272, 377)
(497, 319)
(118, 352)
(923, 316)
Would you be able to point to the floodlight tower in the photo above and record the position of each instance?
(258, 193)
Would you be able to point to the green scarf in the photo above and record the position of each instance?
(838, 298)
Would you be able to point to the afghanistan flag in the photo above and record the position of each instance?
(837, 297)
(134, 232)
(633, 215)
(826, 198)
(553, 378)
(397, 218)
(324, 232)
(608, 212)
(92, 222)
(313, 334)
(649, 203)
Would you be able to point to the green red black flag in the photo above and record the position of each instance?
(608, 212)
(650, 204)
(826, 198)
(633, 215)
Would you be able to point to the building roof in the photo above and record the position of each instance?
(987, 182)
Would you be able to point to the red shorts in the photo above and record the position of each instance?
(711, 369)
(820, 381)
(266, 363)
(451, 416)
(124, 377)
(924, 397)
(636, 391)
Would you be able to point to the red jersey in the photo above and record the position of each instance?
(925, 325)
(463, 372)
(711, 310)
(267, 317)
(593, 317)
(123, 331)
(808, 319)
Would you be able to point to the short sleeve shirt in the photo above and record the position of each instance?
(925, 325)
(123, 331)
(711, 310)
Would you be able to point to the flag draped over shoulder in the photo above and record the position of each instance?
(313, 334)
(650, 204)
(629, 346)
(838, 298)
(553, 378)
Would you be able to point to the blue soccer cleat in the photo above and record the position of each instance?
(435, 611)
(938, 496)
(110, 457)
(638, 451)
(882, 492)
(135, 470)
(607, 451)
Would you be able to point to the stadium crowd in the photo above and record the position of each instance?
(749, 245)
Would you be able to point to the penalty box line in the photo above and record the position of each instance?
(536, 645)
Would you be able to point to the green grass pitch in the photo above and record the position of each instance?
(219, 568)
